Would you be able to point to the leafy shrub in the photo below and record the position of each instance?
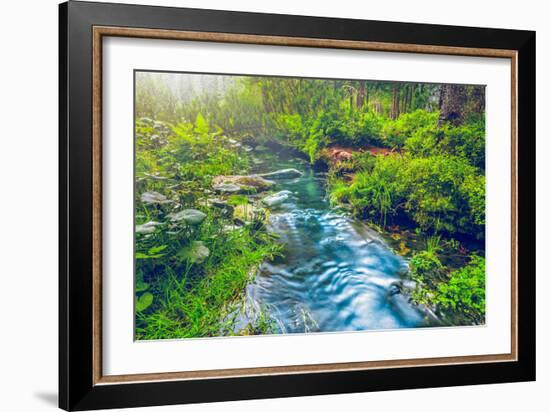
(426, 268)
(340, 192)
(434, 200)
(371, 124)
(423, 144)
(438, 193)
(433, 244)
(327, 127)
(359, 162)
(466, 141)
(292, 126)
(459, 294)
(407, 125)
(363, 161)
(473, 189)
(464, 292)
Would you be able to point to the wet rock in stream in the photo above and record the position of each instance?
(277, 198)
(282, 174)
(241, 184)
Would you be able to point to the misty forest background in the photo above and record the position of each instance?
(406, 158)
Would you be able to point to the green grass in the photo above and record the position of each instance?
(196, 305)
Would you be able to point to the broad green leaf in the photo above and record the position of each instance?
(141, 286)
(144, 301)
(140, 255)
(155, 250)
(201, 125)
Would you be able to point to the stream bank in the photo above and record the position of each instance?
(334, 273)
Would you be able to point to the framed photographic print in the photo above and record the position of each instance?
(257, 205)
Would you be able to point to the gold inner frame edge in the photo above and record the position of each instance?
(102, 31)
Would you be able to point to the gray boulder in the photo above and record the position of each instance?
(404, 286)
(147, 228)
(219, 203)
(277, 198)
(282, 174)
(154, 198)
(227, 188)
(189, 216)
(155, 177)
(241, 184)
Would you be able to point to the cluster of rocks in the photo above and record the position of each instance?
(253, 207)
(159, 137)
(254, 186)
(238, 184)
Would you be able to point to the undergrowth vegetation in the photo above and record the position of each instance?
(192, 260)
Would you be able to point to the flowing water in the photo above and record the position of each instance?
(335, 274)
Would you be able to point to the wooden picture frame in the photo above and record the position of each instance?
(82, 385)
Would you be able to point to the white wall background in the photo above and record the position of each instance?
(28, 203)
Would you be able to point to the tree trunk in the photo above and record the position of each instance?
(478, 95)
(452, 100)
(404, 98)
(360, 100)
(394, 113)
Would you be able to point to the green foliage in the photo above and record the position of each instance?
(433, 245)
(473, 187)
(423, 144)
(426, 268)
(438, 193)
(188, 154)
(370, 128)
(201, 127)
(464, 292)
(236, 200)
(141, 286)
(466, 141)
(144, 301)
(311, 147)
(189, 276)
(413, 125)
(155, 99)
(363, 161)
(459, 294)
(292, 126)
(435, 200)
(152, 253)
(339, 192)
(196, 299)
